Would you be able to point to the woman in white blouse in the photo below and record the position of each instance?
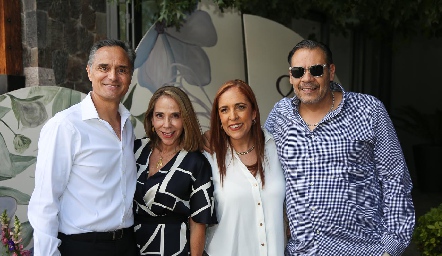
(248, 178)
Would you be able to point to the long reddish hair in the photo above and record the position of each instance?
(219, 139)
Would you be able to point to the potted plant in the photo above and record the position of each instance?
(427, 234)
(427, 126)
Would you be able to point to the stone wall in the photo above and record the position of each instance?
(57, 37)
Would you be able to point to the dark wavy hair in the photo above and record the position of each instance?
(219, 139)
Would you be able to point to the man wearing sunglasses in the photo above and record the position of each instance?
(347, 184)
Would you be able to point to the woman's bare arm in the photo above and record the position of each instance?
(197, 238)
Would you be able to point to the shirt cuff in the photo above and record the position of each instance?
(45, 245)
(392, 245)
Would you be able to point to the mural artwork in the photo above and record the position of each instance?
(209, 49)
(22, 114)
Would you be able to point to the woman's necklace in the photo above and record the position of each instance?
(245, 152)
(160, 161)
(332, 106)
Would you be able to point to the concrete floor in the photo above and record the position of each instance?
(423, 201)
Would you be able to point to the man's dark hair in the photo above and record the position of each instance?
(310, 44)
(112, 42)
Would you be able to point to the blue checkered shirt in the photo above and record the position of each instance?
(347, 184)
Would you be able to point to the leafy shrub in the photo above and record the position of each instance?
(428, 232)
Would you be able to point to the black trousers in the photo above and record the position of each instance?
(98, 245)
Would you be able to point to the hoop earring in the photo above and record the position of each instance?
(253, 121)
(153, 129)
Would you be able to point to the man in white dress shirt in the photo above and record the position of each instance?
(85, 174)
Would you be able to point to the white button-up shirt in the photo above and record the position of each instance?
(85, 176)
(250, 217)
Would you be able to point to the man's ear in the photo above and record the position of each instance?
(88, 72)
(332, 70)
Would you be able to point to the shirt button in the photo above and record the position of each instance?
(262, 244)
(317, 232)
(311, 183)
(259, 203)
(260, 224)
(313, 208)
(255, 184)
(311, 159)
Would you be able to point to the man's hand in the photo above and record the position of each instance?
(206, 139)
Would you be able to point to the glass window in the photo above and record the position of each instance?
(129, 20)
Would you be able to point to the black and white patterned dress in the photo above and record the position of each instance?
(163, 202)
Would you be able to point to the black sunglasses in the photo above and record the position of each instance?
(315, 70)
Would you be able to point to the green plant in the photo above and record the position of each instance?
(377, 18)
(428, 232)
(426, 125)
